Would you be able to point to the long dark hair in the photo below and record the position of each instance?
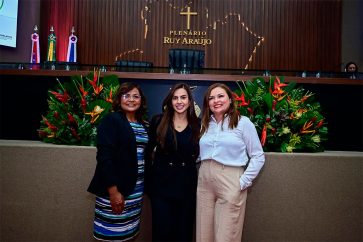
(232, 111)
(123, 89)
(168, 115)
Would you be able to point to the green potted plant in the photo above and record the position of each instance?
(75, 109)
(287, 117)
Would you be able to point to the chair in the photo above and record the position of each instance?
(134, 66)
(189, 58)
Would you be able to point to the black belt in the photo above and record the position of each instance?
(171, 163)
(176, 164)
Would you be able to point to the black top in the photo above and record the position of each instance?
(116, 156)
(173, 170)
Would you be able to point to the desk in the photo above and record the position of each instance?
(23, 99)
(208, 75)
(297, 197)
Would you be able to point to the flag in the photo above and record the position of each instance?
(35, 52)
(72, 47)
(51, 45)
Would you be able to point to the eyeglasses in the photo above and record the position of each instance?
(128, 96)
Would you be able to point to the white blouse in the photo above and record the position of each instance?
(234, 147)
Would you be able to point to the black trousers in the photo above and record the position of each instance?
(173, 219)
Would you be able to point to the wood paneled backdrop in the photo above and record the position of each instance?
(293, 34)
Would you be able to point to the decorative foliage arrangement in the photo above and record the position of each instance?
(286, 117)
(75, 109)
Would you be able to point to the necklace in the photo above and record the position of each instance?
(180, 123)
(179, 126)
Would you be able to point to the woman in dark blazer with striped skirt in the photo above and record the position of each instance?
(118, 182)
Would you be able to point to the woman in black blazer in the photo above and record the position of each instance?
(118, 182)
(173, 176)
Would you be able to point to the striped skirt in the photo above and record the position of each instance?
(120, 227)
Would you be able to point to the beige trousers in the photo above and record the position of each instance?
(220, 203)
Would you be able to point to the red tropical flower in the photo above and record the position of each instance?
(71, 120)
(264, 135)
(83, 104)
(250, 110)
(56, 114)
(75, 134)
(109, 99)
(62, 97)
(81, 89)
(278, 92)
(241, 99)
(320, 123)
(274, 102)
(49, 125)
(96, 88)
(306, 126)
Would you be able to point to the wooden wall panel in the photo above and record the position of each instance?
(297, 34)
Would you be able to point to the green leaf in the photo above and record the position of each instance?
(84, 131)
(295, 110)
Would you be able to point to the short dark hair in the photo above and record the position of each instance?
(123, 89)
(351, 63)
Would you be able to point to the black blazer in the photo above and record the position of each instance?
(116, 156)
(163, 179)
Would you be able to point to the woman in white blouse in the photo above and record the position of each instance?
(228, 143)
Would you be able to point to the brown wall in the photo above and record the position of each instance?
(297, 197)
(352, 32)
(265, 34)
